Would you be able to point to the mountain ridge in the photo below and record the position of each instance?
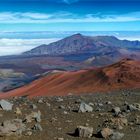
(124, 74)
(79, 43)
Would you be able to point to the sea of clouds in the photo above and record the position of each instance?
(12, 43)
(17, 46)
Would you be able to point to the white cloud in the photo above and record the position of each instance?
(17, 46)
(29, 17)
(35, 15)
(69, 1)
(131, 38)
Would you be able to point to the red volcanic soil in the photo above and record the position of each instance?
(122, 75)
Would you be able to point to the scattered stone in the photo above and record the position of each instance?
(12, 127)
(40, 101)
(91, 104)
(61, 107)
(119, 122)
(116, 123)
(53, 119)
(108, 102)
(98, 109)
(37, 116)
(49, 105)
(68, 121)
(137, 120)
(116, 110)
(117, 136)
(28, 133)
(57, 119)
(84, 132)
(5, 105)
(18, 111)
(33, 106)
(33, 115)
(97, 117)
(65, 112)
(126, 103)
(134, 107)
(59, 128)
(100, 105)
(59, 99)
(37, 126)
(105, 133)
(85, 108)
(78, 101)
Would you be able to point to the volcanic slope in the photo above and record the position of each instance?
(122, 75)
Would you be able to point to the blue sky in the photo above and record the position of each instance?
(69, 15)
(24, 24)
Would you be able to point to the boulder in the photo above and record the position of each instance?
(85, 108)
(5, 105)
(105, 133)
(37, 116)
(117, 136)
(119, 122)
(84, 132)
(33, 116)
(134, 107)
(116, 110)
(37, 126)
(10, 127)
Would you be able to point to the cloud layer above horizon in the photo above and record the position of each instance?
(69, 15)
(65, 17)
(17, 46)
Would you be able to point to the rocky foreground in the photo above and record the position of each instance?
(112, 116)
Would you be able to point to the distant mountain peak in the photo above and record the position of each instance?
(76, 35)
(78, 43)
